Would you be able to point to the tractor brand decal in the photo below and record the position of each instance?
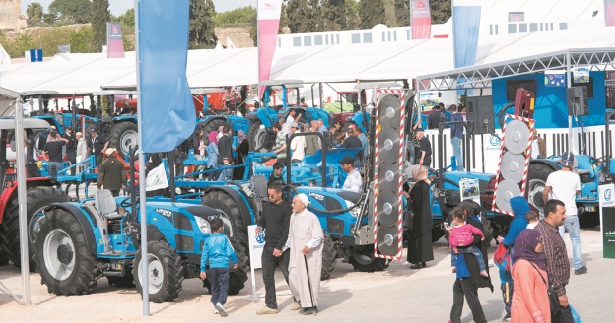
(260, 238)
(165, 213)
(317, 197)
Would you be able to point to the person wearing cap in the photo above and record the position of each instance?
(111, 173)
(82, 150)
(71, 148)
(565, 185)
(353, 181)
(424, 152)
(97, 145)
(297, 145)
(305, 240)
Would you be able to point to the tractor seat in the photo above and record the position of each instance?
(106, 206)
(259, 185)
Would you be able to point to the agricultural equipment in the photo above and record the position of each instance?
(207, 112)
(347, 218)
(76, 243)
(41, 190)
(261, 135)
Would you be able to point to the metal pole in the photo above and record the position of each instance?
(23, 196)
(144, 253)
(569, 74)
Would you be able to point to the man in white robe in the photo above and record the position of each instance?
(305, 242)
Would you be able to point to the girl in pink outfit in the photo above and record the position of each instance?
(460, 240)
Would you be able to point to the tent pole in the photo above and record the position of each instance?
(23, 205)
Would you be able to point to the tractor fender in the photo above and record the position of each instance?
(240, 199)
(86, 222)
(10, 192)
(553, 165)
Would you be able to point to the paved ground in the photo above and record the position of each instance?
(396, 294)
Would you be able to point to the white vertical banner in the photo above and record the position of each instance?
(606, 198)
(256, 243)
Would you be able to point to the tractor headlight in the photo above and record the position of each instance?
(203, 225)
(355, 211)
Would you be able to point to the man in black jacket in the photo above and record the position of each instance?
(434, 118)
(71, 148)
(225, 147)
(111, 173)
(276, 219)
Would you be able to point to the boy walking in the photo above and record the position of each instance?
(218, 251)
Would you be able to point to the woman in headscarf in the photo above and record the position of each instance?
(468, 279)
(530, 299)
(212, 154)
(420, 249)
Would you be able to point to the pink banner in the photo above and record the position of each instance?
(268, 16)
(420, 19)
(609, 9)
(115, 43)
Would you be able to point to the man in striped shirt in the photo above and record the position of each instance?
(558, 266)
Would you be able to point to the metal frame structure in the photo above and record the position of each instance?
(480, 76)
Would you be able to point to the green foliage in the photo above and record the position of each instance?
(48, 39)
(351, 10)
(35, 13)
(50, 18)
(333, 15)
(127, 19)
(238, 17)
(100, 16)
(389, 13)
(299, 16)
(202, 25)
(402, 13)
(371, 13)
(71, 11)
(440, 11)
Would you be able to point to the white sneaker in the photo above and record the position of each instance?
(216, 310)
(221, 309)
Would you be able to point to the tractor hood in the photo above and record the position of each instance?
(165, 208)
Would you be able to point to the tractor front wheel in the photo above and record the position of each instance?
(329, 255)
(363, 259)
(239, 276)
(164, 272)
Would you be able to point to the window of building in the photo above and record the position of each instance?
(356, 38)
(297, 41)
(563, 26)
(317, 40)
(497, 30)
(367, 37)
(551, 26)
(307, 40)
(408, 35)
(522, 28)
(516, 17)
(395, 36)
(533, 27)
(512, 28)
(338, 38)
(490, 29)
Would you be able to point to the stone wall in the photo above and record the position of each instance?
(10, 15)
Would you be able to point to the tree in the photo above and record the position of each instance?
(402, 12)
(35, 13)
(202, 24)
(239, 16)
(440, 11)
(333, 15)
(128, 18)
(72, 11)
(371, 13)
(299, 17)
(351, 11)
(100, 16)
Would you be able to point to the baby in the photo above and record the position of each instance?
(460, 240)
(532, 219)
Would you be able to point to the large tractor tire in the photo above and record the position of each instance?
(231, 216)
(258, 137)
(38, 198)
(65, 263)
(329, 256)
(239, 276)
(122, 136)
(363, 259)
(536, 184)
(165, 272)
(212, 125)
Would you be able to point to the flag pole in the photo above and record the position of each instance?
(144, 278)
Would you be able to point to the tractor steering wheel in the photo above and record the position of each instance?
(125, 203)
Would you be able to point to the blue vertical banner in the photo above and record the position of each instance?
(466, 26)
(168, 113)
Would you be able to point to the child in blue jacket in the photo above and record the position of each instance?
(218, 250)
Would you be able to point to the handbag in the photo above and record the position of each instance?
(501, 257)
(407, 221)
(556, 315)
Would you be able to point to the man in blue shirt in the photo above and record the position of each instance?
(456, 136)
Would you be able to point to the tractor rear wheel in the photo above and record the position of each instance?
(239, 276)
(122, 136)
(231, 216)
(164, 270)
(363, 259)
(536, 185)
(329, 256)
(65, 263)
(211, 125)
(258, 137)
(38, 198)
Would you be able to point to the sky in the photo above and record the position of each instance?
(118, 7)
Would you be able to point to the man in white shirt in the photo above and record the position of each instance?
(565, 185)
(297, 145)
(353, 181)
(285, 127)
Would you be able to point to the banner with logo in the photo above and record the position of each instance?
(115, 43)
(257, 243)
(268, 17)
(606, 202)
(555, 79)
(466, 27)
(420, 19)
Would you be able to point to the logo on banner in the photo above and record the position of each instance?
(260, 238)
(494, 143)
(607, 195)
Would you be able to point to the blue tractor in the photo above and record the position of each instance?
(261, 136)
(76, 243)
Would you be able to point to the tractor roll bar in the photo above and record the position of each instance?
(469, 128)
(323, 151)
